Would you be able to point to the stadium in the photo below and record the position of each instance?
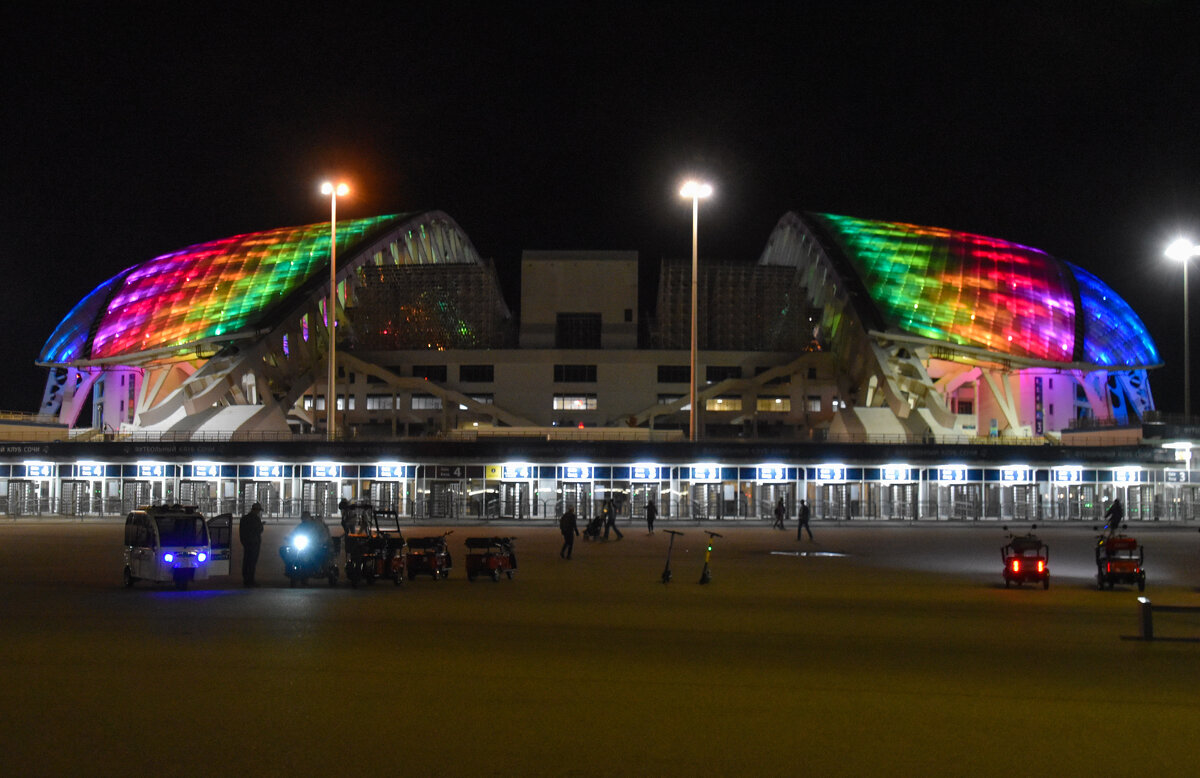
(837, 368)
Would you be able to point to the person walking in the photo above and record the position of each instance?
(651, 515)
(250, 530)
(610, 520)
(780, 512)
(802, 520)
(569, 528)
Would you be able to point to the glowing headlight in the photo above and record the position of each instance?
(300, 542)
(168, 557)
(203, 556)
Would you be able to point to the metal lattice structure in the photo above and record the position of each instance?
(742, 308)
(408, 307)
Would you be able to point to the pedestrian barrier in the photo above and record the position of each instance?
(1146, 612)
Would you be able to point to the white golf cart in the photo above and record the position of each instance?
(174, 543)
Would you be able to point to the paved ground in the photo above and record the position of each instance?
(905, 657)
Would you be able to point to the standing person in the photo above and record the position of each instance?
(802, 519)
(780, 512)
(610, 520)
(569, 528)
(1115, 515)
(344, 510)
(250, 530)
(651, 515)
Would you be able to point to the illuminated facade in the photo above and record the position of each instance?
(845, 328)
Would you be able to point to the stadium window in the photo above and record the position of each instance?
(723, 404)
(426, 402)
(477, 374)
(430, 372)
(780, 404)
(715, 374)
(812, 403)
(667, 399)
(379, 402)
(674, 374)
(341, 402)
(483, 399)
(966, 407)
(812, 373)
(577, 330)
(574, 402)
(307, 402)
(628, 315)
(574, 374)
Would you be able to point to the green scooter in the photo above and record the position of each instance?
(706, 575)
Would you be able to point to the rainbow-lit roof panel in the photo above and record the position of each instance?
(1112, 331)
(980, 292)
(210, 290)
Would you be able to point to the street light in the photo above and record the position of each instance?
(696, 190)
(334, 191)
(1181, 250)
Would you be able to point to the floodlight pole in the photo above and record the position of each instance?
(1183, 250)
(695, 190)
(330, 312)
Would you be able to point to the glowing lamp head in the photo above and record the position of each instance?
(203, 556)
(341, 190)
(1181, 249)
(696, 190)
(300, 542)
(168, 557)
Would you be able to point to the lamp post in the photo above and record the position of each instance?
(333, 191)
(1182, 250)
(696, 190)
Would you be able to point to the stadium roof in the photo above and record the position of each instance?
(213, 292)
(983, 293)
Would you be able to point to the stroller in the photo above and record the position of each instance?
(594, 528)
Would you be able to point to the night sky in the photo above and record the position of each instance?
(131, 130)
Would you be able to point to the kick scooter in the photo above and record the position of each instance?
(666, 576)
(706, 575)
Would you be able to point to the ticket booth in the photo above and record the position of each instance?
(772, 484)
(268, 484)
(200, 485)
(895, 494)
(321, 489)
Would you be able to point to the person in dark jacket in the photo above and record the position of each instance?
(1115, 515)
(250, 530)
(802, 521)
(780, 513)
(610, 519)
(651, 515)
(569, 527)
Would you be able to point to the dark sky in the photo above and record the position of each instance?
(131, 130)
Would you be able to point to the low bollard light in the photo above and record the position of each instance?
(1146, 616)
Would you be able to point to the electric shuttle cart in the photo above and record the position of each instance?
(1119, 561)
(429, 556)
(492, 557)
(174, 543)
(1026, 559)
(395, 549)
(365, 545)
